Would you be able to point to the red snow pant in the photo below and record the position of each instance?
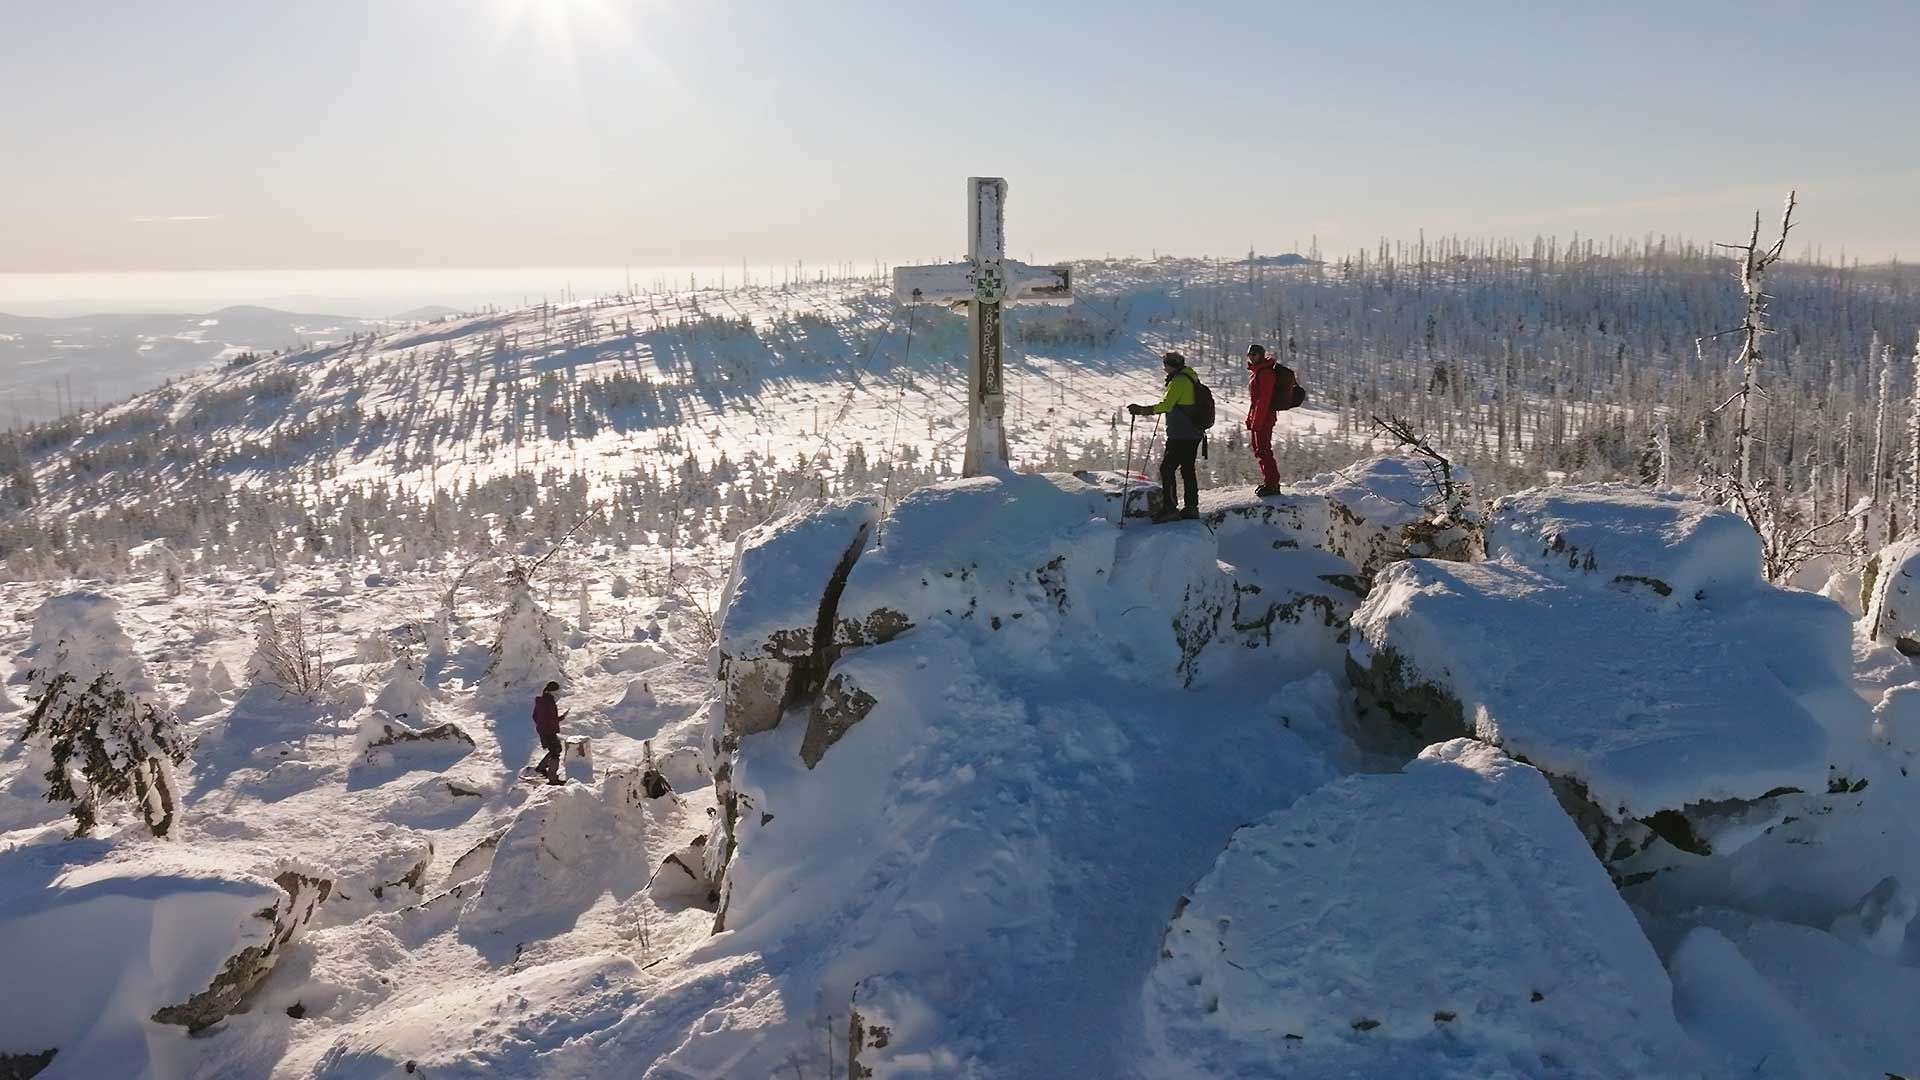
(1263, 450)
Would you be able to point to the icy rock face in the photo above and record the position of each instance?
(1663, 708)
(113, 948)
(777, 608)
(1893, 599)
(1626, 536)
(1294, 956)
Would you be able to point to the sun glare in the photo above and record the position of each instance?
(564, 24)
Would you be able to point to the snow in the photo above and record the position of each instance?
(551, 864)
(94, 951)
(79, 634)
(1651, 706)
(559, 1019)
(1624, 535)
(1299, 953)
(1893, 606)
(1791, 1001)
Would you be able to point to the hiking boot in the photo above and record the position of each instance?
(1265, 490)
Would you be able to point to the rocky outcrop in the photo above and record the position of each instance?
(778, 616)
(382, 733)
(386, 864)
(683, 876)
(244, 970)
(1545, 652)
(25, 1066)
(1373, 513)
(841, 705)
(476, 860)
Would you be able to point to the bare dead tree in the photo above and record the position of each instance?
(1450, 495)
(1754, 261)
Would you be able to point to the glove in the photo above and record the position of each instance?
(1138, 410)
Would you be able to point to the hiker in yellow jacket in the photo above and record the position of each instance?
(1184, 432)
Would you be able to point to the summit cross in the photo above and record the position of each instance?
(984, 283)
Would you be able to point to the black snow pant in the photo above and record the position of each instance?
(550, 765)
(1180, 456)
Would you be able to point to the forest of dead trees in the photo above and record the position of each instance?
(1578, 360)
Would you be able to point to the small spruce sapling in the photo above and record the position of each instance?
(94, 716)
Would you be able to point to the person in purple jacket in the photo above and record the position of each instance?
(546, 721)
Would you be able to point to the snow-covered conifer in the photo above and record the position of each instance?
(527, 649)
(97, 716)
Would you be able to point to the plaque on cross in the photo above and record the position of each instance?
(982, 284)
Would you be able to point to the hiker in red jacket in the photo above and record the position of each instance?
(1264, 381)
(546, 721)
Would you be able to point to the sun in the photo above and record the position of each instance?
(564, 24)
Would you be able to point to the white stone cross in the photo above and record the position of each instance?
(983, 283)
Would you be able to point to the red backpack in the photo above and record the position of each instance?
(1287, 391)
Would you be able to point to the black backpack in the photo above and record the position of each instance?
(1294, 400)
(1202, 403)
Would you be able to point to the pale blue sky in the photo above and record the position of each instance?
(219, 134)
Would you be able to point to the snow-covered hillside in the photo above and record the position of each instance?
(879, 772)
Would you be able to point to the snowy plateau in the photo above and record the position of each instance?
(1545, 768)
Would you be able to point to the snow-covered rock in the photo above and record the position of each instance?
(1648, 708)
(1893, 596)
(776, 608)
(644, 656)
(1646, 702)
(1896, 720)
(1879, 922)
(563, 849)
(1725, 1004)
(1302, 954)
(1626, 536)
(121, 957)
(1386, 508)
(1375, 512)
(387, 865)
(383, 733)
